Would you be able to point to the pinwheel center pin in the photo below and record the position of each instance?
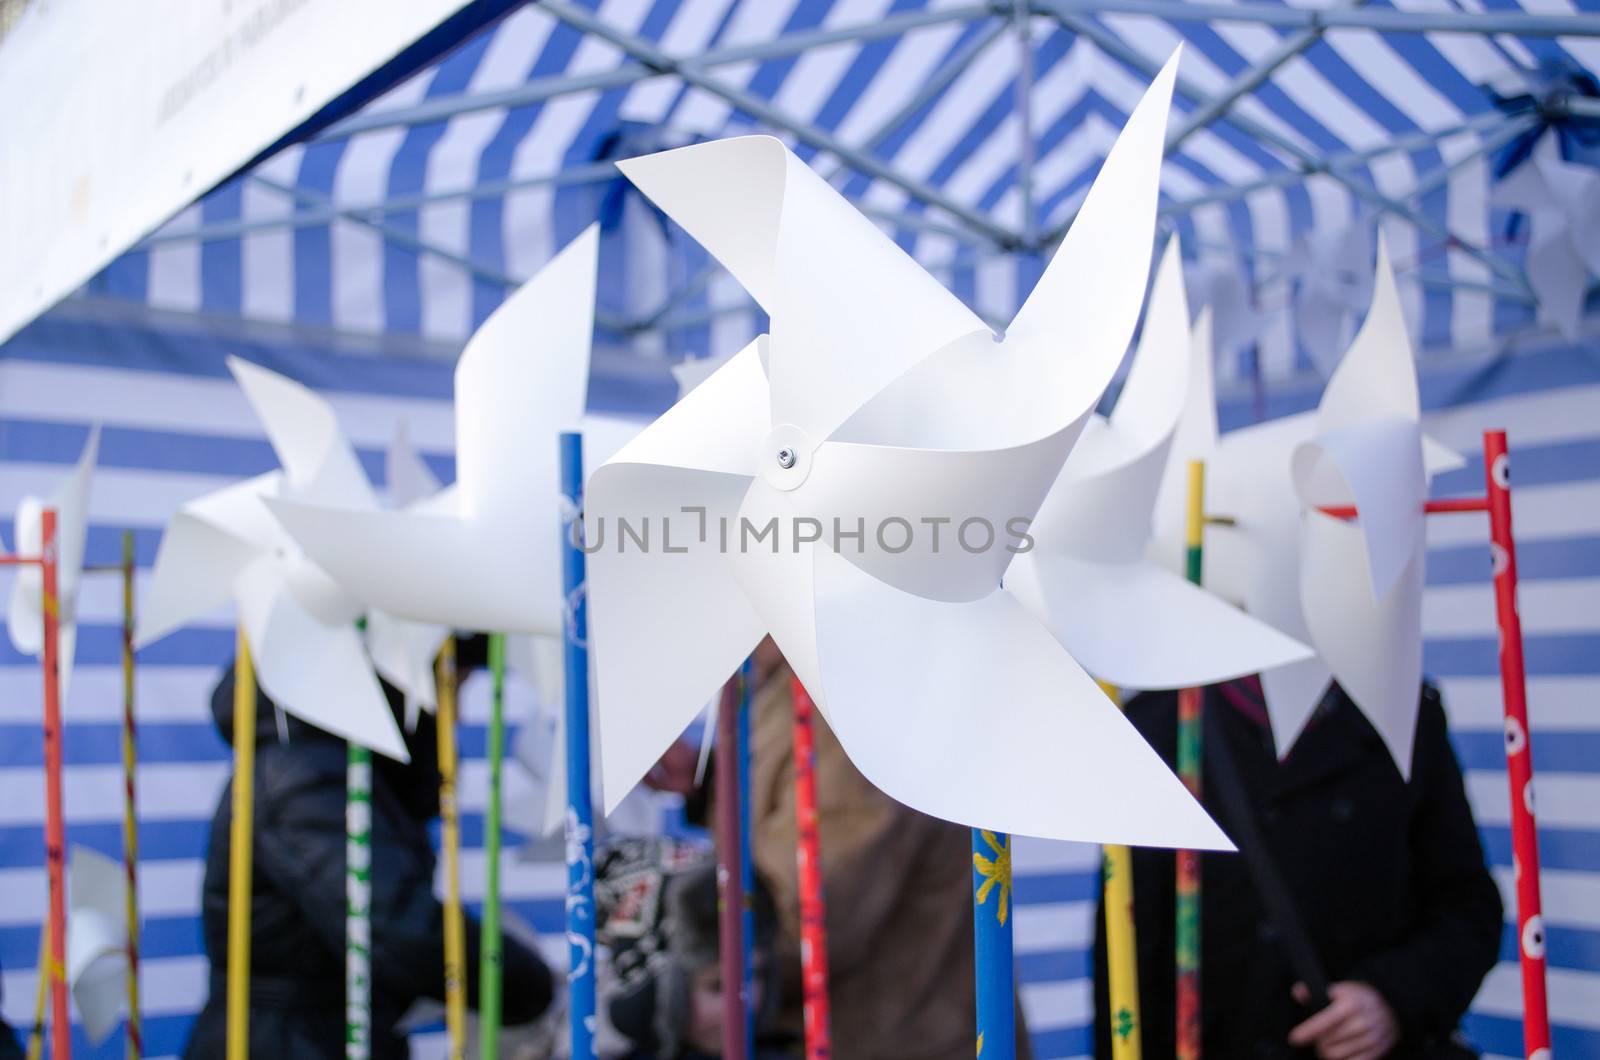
(787, 459)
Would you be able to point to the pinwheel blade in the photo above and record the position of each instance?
(850, 309)
(317, 672)
(25, 616)
(971, 712)
(403, 653)
(408, 476)
(1139, 626)
(668, 621)
(1080, 316)
(1066, 342)
(668, 627)
(1374, 648)
(97, 940)
(318, 462)
(522, 379)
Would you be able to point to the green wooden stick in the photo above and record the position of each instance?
(489, 969)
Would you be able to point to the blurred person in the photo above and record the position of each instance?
(897, 883)
(297, 921)
(1388, 877)
(10, 1048)
(661, 986)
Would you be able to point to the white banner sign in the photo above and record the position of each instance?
(114, 116)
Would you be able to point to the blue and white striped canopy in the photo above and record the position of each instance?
(359, 261)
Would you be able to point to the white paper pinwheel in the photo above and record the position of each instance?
(878, 401)
(308, 652)
(402, 651)
(1333, 285)
(1562, 202)
(25, 617)
(97, 940)
(1127, 619)
(487, 555)
(1351, 589)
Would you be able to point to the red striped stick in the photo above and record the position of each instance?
(813, 928)
(55, 838)
(130, 819)
(1519, 751)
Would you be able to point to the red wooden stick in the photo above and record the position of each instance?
(1519, 751)
(1448, 504)
(55, 839)
(813, 929)
(730, 873)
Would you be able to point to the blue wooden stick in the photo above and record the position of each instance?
(580, 812)
(747, 868)
(992, 922)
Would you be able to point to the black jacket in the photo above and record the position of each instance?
(1389, 878)
(10, 1048)
(298, 904)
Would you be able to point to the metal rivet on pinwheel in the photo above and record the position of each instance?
(1128, 620)
(308, 653)
(902, 412)
(1353, 590)
(25, 617)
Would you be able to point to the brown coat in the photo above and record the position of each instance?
(898, 886)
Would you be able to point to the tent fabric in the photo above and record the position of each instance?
(176, 427)
(1350, 93)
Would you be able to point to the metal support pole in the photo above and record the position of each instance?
(758, 108)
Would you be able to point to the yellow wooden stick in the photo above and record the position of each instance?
(1122, 961)
(36, 1036)
(240, 851)
(455, 934)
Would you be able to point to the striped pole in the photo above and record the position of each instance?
(730, 874)
(992, 936)
(580, 811)
(130, 818)
(241, 836)
(813, 908)
(490, 947)
(747, 867)
(455, 926)
(55, 825)
(1519, 751)
(1189, 758)
(1122, 960)
(358, 903)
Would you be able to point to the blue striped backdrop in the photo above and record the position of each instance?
(372, 324)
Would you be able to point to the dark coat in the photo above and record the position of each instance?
(298, 906)
(1389, 878)
(10, 1048)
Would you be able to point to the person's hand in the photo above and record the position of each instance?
(1358, 1024)
(675, 771)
